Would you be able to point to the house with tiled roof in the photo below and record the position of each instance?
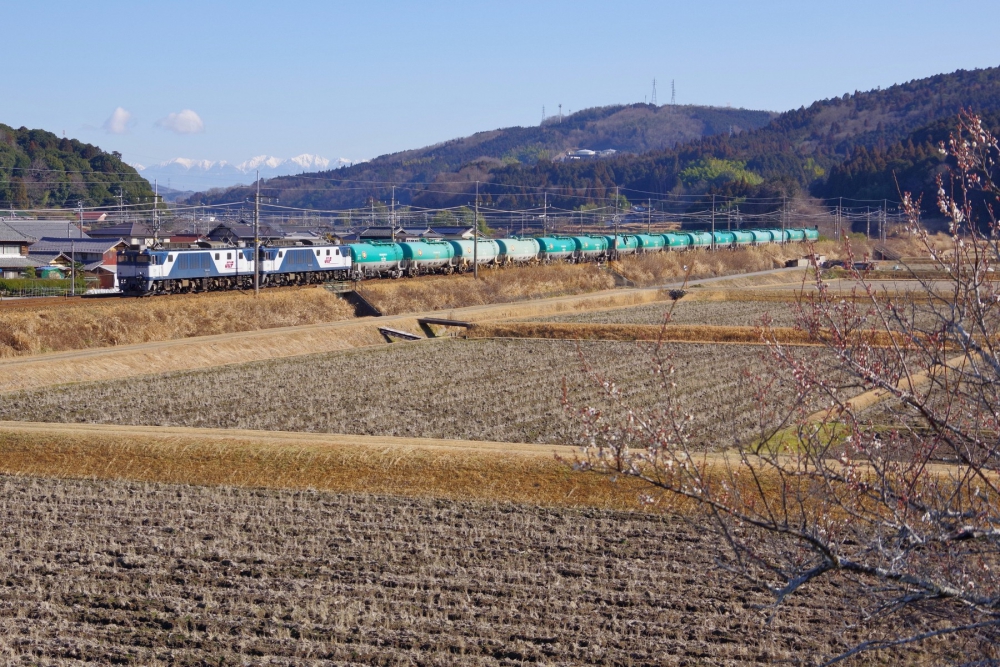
(99, 257)
(134, 233)
(14, 259)
(36, 229)
(241, 234)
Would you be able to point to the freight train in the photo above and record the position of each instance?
(198, 269)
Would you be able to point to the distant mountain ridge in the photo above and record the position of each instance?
(635, 128)
(198, 174)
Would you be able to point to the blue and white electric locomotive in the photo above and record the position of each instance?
(169, 271)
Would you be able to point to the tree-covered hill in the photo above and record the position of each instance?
(848, 146)
(633, 129)
(41, 170)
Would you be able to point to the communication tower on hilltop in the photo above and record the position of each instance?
(543, 113)
(673, 93)
(653, 99)
(560, 113)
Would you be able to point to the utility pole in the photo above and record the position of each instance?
(649, 202)
(72, 253)
(545, 215)
(784, 212)
(615, 255)
(256, 240)
(713, 222)
(840, 218)
(392, 214)
(868, 219)
(475, 239)
(885, 217)
(156, 213)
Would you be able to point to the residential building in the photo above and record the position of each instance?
(14, 259)
(241, 234)
(399, 234)
(99, 257)
(37, 229)
(134, 233)
(459, 232)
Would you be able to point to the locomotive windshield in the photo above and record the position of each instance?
(134, 258)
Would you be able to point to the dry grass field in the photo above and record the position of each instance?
(658, 268)
(415, 467)
(112, 322)
(649, 270)
(90, 365)
(675, 333)
(503, 390)
(427, 293)
(145, 574)
(713, 313)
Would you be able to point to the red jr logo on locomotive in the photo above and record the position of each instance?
(229, 264)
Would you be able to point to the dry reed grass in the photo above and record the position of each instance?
(650, 269)
(430, 293)
(114, 322)
(659, 268)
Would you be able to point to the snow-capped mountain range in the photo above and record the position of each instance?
(188, 174)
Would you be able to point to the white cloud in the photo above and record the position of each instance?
(183, 122)
(118, 122)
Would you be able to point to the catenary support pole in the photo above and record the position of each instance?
(713, 222)
(256, 240)
(545, 215)
(616, 222)
(475, 239)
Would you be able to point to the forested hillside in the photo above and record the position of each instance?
(913, 163)
(848, 146)
(41, 170)
(633, 129)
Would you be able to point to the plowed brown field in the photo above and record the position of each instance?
(127, 573)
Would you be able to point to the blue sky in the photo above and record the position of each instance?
(359, 79)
